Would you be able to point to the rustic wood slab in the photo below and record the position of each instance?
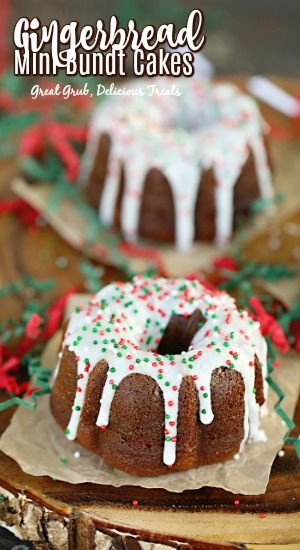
(57, 515)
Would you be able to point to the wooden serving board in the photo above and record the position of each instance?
(57, 515)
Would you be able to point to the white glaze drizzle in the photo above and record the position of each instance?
(131, 320)
(210, 126)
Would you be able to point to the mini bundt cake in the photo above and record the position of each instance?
(161, 375)
(176, 168)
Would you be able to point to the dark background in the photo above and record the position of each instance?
(243, 36)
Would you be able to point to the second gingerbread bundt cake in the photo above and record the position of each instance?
(161, 375)
(176, 168)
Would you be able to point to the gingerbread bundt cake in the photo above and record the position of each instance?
(176, 168)
(161, 375)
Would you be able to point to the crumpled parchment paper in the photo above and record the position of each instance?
(40, 447)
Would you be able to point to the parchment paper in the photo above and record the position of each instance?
(40, 447)
(74, 232)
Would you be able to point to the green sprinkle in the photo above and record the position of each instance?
(205, 394)
(203, 411)
(64, 460)
(77, 408)
(112, 369)
(114, 386)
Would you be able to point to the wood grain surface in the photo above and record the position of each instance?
(57, 515)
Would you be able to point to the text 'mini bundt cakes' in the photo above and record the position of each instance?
(176, 168)
(161, 375)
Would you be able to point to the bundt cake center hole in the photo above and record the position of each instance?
(180, 332)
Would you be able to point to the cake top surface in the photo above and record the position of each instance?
(201, 111)
(138, 312)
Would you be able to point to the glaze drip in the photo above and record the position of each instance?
(124, 324)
